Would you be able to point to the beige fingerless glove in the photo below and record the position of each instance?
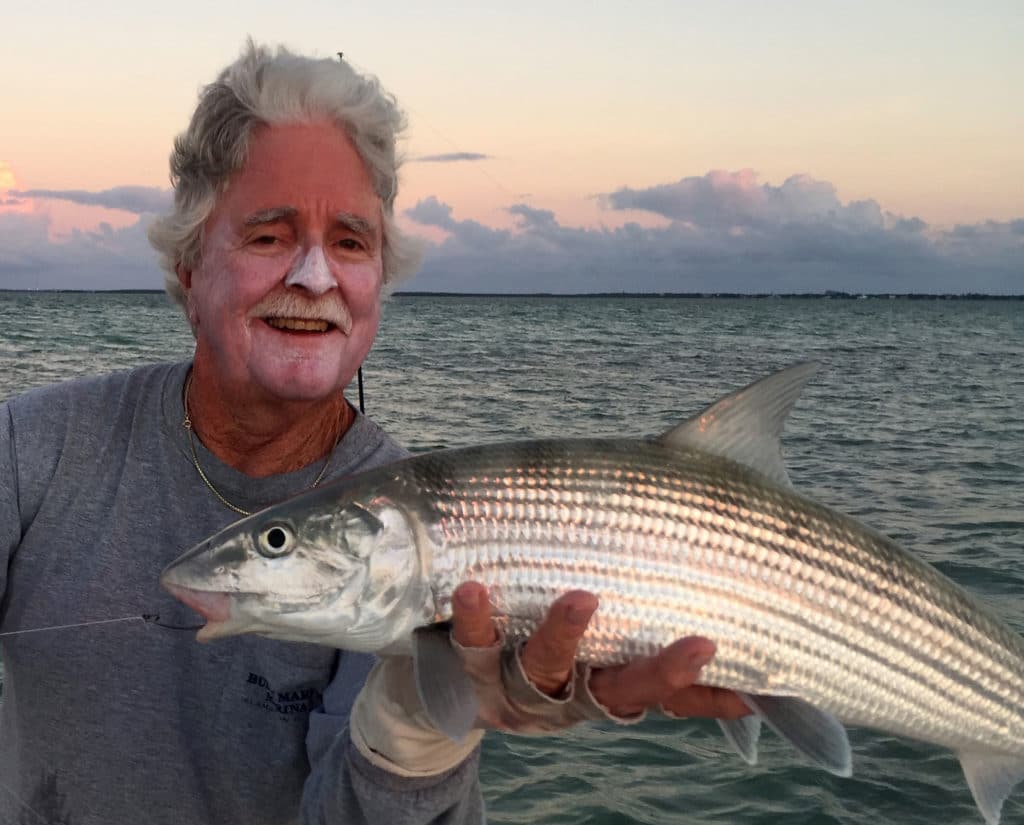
(391, 729)
(510, 702)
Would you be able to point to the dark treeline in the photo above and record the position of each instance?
(828, 295)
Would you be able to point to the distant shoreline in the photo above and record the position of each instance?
(827, 295)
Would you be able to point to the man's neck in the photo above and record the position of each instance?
(260, 436)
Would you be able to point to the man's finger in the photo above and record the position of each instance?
(631, 688)
(471, 616)
(550, 653)
(710, 702)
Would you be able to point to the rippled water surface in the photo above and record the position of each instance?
(915, 424)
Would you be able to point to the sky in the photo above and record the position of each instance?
(564, 146)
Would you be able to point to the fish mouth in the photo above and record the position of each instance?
(213, 606)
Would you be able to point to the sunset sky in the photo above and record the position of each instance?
(666, 146)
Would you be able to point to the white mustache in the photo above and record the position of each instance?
(330, 308)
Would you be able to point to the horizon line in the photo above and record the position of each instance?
(414, 293)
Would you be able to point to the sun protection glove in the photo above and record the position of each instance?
(390, 727)
(510, 702)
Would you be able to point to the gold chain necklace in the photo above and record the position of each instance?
(187, 424)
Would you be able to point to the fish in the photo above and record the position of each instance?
(819, 621)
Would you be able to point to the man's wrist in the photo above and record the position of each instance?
(391, 730)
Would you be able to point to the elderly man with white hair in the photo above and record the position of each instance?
(279, 247)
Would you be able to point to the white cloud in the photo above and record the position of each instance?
(104, 258)
(431, 212)
(450, 157)
(735, 199)
(466, 235)
(140, 200)
(726, 232)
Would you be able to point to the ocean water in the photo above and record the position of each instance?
(914, 424)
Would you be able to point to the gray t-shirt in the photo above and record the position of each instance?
(129, 722)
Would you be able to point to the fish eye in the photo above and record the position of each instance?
(275, 540)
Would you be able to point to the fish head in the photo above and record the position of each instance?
(337, 566)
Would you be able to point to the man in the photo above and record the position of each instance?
(279, 246)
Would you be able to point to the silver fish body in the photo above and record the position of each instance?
(799, 600)
(816, 618)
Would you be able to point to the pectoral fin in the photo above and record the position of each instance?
(444, 688)
(816, 734)
(991, 777)
(743, 734)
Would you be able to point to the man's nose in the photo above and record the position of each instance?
(312, 273)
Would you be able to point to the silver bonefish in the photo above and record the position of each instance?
(818, 620)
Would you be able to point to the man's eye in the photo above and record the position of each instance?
(265, 240)
(350, 243)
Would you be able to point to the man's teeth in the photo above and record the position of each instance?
(299, 324)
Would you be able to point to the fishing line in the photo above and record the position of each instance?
(67, 626)
(25, 805)
(154, 618)
(453, 145)
(444, 138)
(458, 150)
(150, 618)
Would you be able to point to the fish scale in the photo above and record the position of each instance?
(686, 547)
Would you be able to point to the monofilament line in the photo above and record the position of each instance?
(77, 624)
(145, 617)
(24, 804)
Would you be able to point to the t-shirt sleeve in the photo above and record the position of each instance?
(10, 516)
(33, 429)
(344, 787)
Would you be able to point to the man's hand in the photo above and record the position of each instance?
(665, 679)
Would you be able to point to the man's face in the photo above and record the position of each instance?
(286, 300)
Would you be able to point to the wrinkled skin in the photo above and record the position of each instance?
(296, 236)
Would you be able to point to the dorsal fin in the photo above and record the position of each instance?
(745, 426)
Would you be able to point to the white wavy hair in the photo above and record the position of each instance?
(264, 87)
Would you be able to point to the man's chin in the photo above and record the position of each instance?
(299, 379)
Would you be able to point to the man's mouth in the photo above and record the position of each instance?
(300, 324)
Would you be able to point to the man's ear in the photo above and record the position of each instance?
(184, 276)
(185, 279)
